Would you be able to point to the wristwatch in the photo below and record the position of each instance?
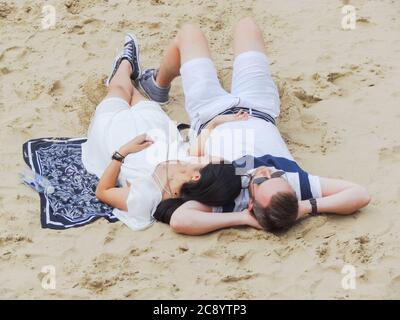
(117, 156)
(314, 208)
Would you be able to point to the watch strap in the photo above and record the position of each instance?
(314, 207)
(117, 156)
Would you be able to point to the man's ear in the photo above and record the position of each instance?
(250, 205)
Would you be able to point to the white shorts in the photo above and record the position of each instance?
(252, 87)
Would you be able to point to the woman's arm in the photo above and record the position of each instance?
(338, 196)
(194, 218)
(197, 147)
(106, 190)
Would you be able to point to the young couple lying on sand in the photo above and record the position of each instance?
(237, 169)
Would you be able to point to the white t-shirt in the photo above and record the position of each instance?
(255, 137)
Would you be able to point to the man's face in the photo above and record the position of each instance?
(262, 193)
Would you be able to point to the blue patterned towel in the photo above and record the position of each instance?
(73, 204)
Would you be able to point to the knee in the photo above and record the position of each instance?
(246, 25)
(189, 31)
(189, 28)
(120, 90)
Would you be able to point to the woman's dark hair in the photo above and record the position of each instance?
(217, 186)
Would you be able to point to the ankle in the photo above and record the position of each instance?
(159, 82)
(126, 65)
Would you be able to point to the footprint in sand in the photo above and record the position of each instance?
(306, 98)
(362, 249)
(55, 89)
(298, 125)
(348, 78)
(88, 25)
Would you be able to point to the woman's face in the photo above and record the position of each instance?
(182, 173)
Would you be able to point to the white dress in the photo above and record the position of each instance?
(114, 124)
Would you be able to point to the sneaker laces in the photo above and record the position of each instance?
(129, 51)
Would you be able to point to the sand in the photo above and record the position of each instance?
(340, 116)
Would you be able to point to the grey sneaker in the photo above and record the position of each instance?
(130, 53)
(147, 82)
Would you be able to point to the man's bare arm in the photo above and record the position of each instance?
(194, 218)
(338, 196)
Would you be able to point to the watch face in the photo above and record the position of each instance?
(118, 157)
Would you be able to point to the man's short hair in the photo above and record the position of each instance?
(281, 213)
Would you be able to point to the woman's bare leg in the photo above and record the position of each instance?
(121, 85)
(137, 97)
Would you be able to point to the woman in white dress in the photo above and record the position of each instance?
(137, 149)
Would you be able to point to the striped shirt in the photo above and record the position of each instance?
(305, 185)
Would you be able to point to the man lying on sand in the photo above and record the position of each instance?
(278, 192)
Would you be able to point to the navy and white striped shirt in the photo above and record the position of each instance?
(305, 185)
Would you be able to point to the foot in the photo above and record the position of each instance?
(151, 89)
(131, 54)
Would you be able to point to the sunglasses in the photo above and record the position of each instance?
(260, 180)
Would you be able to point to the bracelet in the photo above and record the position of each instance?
(314, 208)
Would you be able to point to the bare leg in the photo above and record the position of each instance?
(137, 97)
(121, 85)
(189, 43)
(170, 65)
(247, 36)
(251, 77)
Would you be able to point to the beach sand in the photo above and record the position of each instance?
(340, 117)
